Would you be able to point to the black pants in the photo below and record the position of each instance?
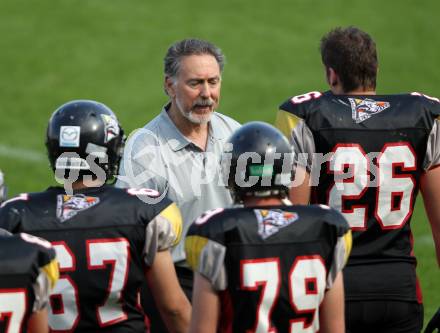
(383, 317)
(185, 276)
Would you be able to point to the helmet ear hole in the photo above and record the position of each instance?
(260, 162)
(90, 132)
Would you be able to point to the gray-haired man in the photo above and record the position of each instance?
(177, 153)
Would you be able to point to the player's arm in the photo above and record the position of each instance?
(331, 317)
(206, 306)
(169, 296)
(205, 254)
(38, 322)
(429, 186)
(301, 138)
(332, 308)
(46, 280)
(10, 218)
(162, 233)
(300, 189)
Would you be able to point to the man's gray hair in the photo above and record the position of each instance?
(187, 47)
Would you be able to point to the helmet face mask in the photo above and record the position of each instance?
(84, 138)
(257, 161)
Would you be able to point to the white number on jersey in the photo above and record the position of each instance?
(391, 187)
(116, 252)
(13, 304)
(305, 97)
(265, 275)
(100, 254)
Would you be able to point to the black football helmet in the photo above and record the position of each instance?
(260, 151)
(82, 131)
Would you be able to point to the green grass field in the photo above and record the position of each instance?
(111, 51)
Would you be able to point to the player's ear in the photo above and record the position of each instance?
(327, 75)
(169, 86)
(332, 77)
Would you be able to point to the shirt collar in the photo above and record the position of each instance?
(214, 127)
(175, 139)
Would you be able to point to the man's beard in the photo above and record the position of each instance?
(194, 117)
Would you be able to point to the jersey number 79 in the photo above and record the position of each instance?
(265, 275)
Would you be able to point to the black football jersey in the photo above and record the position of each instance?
(366, 155)
(270, 265)
(105, 238)
(28, 270)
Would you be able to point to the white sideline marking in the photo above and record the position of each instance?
(23, 154)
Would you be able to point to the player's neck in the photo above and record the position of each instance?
(86, 184)
(338, 90)
(255, 201)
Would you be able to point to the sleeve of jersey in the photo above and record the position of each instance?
(46, 280)
(4, 232)
(342, 247)
(9, 217)
(206, 257)
(432, 157)
(162, 232)
(299, 135)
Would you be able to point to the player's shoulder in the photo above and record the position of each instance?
(14, 202)
(148, 203)
(299, 104)
(31, 198)
(144, 197)
(46, 252)
(426, 102)
(213, 223)
(209, 222)
(29, 250)
(331, 217)
(320, 216)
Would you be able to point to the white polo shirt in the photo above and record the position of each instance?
(159, 157)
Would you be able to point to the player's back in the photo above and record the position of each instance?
(379, 147)
(22, 259)
(100, 238)
(271, 265)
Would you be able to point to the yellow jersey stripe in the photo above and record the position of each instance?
(193, 247)
(286, 122)
(348, 241)
(173, 215)
(51, 270)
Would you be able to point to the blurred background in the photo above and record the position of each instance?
(112, 51)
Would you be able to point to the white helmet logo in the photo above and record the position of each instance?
(69, 136)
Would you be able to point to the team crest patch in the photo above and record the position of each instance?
(111, 127)
(70, 205)
(362, 109)
(272, 221)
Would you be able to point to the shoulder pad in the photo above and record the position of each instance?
(22, 196)
(300, 99)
